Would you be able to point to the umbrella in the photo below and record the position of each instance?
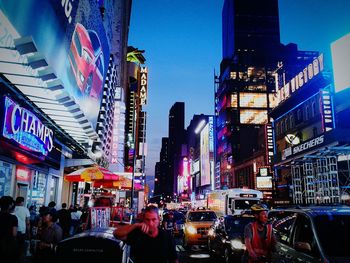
(91, 174)
(121, 183)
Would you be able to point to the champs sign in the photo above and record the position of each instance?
(25, 128)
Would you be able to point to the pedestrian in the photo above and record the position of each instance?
(64, 219)
(169, 222)
(148, 242)
(50, 235)
(75, 223)
(8, 230)
(52, 206)
(23, 230)
(259, 238)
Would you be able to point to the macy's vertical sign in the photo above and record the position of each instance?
(25, 128)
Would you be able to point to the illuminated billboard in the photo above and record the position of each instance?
(71, 38)
(253, 116)
(341, 63)
(143, 85)
(264, 182)
(25, 128)
(205, 156)
(252, 100)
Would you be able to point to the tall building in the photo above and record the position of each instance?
(58, 87)
(177, 149)
(244, 92)
(200, 148)
(162, 179)
(135, 116)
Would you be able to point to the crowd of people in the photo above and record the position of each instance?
(28, 232)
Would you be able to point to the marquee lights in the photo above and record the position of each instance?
(143, 85)
(25, 128)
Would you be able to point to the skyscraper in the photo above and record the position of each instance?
(176, 141)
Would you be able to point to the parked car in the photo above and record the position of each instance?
(312, 234)
(197, 225)
(87, 61)
(226, 237)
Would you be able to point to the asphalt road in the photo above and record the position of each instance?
(193, 255)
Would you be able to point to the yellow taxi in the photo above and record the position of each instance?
(197, 225)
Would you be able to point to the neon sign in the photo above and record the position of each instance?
(143, 88)
(25, 128)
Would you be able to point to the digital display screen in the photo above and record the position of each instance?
(253, 116)
(264, 182)
(341, 63)
(252, 100)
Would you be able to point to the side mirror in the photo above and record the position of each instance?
(302, 246)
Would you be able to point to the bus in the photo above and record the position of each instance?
(233, 201)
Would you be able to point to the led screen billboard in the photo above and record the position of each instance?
(253, 100)
(253, 116)
(205, 156)
(341, 63)
(71, 37)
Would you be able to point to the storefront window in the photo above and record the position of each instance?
(53, 188)
(5, 178)
(38, 189)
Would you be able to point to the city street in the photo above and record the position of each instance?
(194, 254)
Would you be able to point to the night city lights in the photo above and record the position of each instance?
(174, 131)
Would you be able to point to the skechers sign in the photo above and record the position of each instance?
(303, 147)
(25, 128)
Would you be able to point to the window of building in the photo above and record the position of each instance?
(313, 109)
(286, 121)
(314, 131)
(291, 121)
(307, 112)
(299, 116)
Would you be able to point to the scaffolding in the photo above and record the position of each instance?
(316, 179)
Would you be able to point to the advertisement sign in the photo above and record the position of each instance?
(264, 182)
(327, 110)
(204, 156)
(22, 174)
(100, 217)
(341, 60)
(71, 37)
(303, 77)
(143, 85)
(253, 116)
(269, 143)
(25, 128)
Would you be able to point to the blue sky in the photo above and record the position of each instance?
(182, 39)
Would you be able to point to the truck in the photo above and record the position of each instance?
(233, 201)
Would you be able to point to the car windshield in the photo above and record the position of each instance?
(333, 233)
(236, 224)
(201, 216)
(244, 204)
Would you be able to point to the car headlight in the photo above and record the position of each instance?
(237, 244)
(191, 230)
(81, 76)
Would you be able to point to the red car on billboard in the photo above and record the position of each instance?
(87, 62)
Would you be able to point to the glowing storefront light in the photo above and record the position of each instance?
(25, 128)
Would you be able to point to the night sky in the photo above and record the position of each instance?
(182, 40)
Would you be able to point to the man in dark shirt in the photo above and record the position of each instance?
(148, 242)
(64, 219)
(8, 230)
